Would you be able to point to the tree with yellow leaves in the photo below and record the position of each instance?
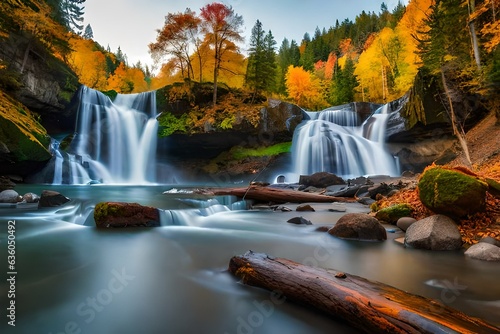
(304, 89)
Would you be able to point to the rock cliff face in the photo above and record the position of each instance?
(421, 132)
(278, 122)
(36, 90)
(23, 141)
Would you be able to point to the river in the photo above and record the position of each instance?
(74, 278)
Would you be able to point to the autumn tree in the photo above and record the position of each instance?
(304, 89)
(175, 39)
(222, 28)
(261, 67)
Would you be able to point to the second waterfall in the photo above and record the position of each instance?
(337, 142)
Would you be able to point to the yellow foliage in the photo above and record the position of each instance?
(89, 65)
(303, 88)
(374, 61)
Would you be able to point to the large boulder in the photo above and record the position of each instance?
(436, 232)
(452, 192)
(358, 226)
(10, 196)
(484, 251)
(119, 214)
(50, 198)
(320, 180)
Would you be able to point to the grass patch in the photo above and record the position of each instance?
(240, 153)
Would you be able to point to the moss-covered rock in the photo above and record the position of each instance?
(118, 214)
(393, 213)
(452, 192)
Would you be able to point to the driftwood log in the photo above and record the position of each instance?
(370, 306)
(275, 195)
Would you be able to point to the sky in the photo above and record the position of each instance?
(132, 25)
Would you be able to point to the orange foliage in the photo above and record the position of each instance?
(330, 66)
(345, 46)
(303, 88)
(89, 65)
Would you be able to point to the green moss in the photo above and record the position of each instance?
(394, 212)
(439, 187)
(240, 153)
(20, 131)
(103, 210)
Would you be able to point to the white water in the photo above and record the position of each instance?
(336, 143)
(115, 142)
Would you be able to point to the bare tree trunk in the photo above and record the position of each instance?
(460, 134)
(370, 306)
(472, 29)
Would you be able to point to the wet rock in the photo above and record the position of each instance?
(31, 198)
(358, 226)
(345, 191)
(312, 189)
(320, 180)
(484, 251)
(322, 229)
(490, 240)
(337, 207)
(493, 187)
(379, 189)
(404, 222)
(299, 221)
(436, 232)
(119, 214)
(10, 196)
(400, 241)
(282, 208)
(51, 198)
(393, 213)
(305, 207)
(452, 192)
(366, 200)
(6, 183)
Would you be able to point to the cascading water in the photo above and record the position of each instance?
(338, 144)
(114, 143)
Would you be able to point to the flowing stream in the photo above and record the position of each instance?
(74, 278)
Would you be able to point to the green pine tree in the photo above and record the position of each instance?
(72, 14)
(344, 84)
(261, 68)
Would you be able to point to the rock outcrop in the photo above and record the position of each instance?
(118, 214)
(50, 198)
(358, 226)
(436, 232)
(452, 192)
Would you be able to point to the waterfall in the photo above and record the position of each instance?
(114, 142)
(335, 142)
(344, 116)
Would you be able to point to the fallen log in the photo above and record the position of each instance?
(370, 306)
(276, 195)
